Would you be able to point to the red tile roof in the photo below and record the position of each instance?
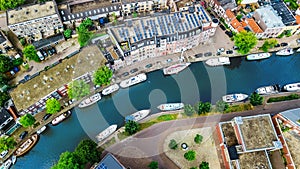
(240, 29)
(297, 19)
(235, 23)
(229, 14)
(254, 26)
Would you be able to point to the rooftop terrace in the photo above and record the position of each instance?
(257, 132)
(31, 12)
(229, 134)
(254, 160)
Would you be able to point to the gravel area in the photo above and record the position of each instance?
(293, 143)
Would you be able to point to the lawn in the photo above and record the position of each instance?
(161, 118)
(239, 108)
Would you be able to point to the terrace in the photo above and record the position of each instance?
(77, 8)
(229, 134)
(27, 94)
(257, 132)
(258, 159)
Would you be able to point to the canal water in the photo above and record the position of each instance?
(198, 82)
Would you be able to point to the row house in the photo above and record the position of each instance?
(130, 6)
(220, 6)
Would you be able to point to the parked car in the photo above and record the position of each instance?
(277, 45)
(23, 135)
(198, 55)
(53, 50)
(40, 55)
(222, 27)
(228, 52)
(125, 74)
(228, 33)
(298, 40)
(207, 54)
(44, 53)
(50, 52)
(169, 60)
(218, 53)
(133, 70)
(148, 66)
(3, 153)
(284, 44)
(220, 50)
(46, 117)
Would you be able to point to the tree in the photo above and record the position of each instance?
(5, 64)
(256, 99)
(203, 107)
(3, 98)
(27, 120)
(10, 4)
(190, 155)
(67, 160)
(17, 62)
(221, 106)
(132, 127)
(67, 33)
(173, 145)
(87, 151)
(83, 35)
(77, 89)
(52, 106)
(204, 165)
(7, 143)
(198, 138)
(102, 76)
(245, 41)
(268, 44)
(30, 53)
(153, 165)
(188, 110)
(87, 23)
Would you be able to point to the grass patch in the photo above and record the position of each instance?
(109, 143)
(122, 135)
(239, 108)
(283, 98)
(146, 125)
(167, 117)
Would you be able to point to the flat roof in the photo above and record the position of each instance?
(284, 12)
(257, 132)
(137, 30)
(31, 12)
(269, 16)
(109, 162)
(229, 134)
(293, 115)
(257, 159)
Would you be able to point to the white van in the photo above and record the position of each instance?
(40, 55)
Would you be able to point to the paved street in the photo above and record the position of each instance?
(149, 142)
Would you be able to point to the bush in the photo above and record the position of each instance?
(173, 145)
(189, 110)
(190, 155)
(221, 106)
(198, 138)
(256, 99)
(283, 98)
(153, 165)
(17, 62)
(204, 165)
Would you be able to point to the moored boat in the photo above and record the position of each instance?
(174, 69)
(285, 52)
(133, 80)
(39, 131)
(137, 116)
(293, 87)
(13, 159)
(170, 106)
(258, 56)
(298, 50)
(89, 101)
(107, 132)
(6, 164)
(110, 89)
(234, 97)
(268, 89)
(218, 61)
(61, 118)
(27, 145)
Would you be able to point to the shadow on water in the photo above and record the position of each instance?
(235, 63)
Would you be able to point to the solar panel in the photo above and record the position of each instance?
(204, 13)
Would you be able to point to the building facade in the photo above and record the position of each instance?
(5, 44)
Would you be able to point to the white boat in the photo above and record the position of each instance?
(137, 116)
(13, 159)
(293, 87)
(258, 56)
(39, 131)
(133, 80)
(298, 50)
(110, 89)
(89, 101)
(218, 61)
(27, 145)
(170, 106)
(174, 69)
(234, 97)
(6, 164)
(107, 132)
(268, 90)
(285, 52)
(61, 118)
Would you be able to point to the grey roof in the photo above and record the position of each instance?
(109, 162)
(66, 14)
(4, 115)
(227, 4)
(284, 12)
(46, 42)
(293, 115)
(2, 38)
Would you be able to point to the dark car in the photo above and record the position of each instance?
(23, 135)
(50, 52)
(133, 70)
(46, 117)
(53, 50)
(284, 44)
(222, 27)
(207, 54)
(277, 45)
(149, 65)
(229, 52)
(228, 33)
(218, 53)
(125, 74)
(44, 53)
(198, 55)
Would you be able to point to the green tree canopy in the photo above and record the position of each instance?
(52, 106)
(153, 165)
(204, 107)
(268, 44)
(221, 106)
(83, 32)
(67, 160)
(256, 99)
(198, 138)
(204, 165)
(17, 62)
(190, 155)
(5, 64)
(3, 98)
(27, 120)
(77, 89)
(7, 143)
(87, 151)
(67, 33)
(10, 4)
(30, 53)
(188, 110)
(87, 23)
(132, 127)
(173, 145)
(3, 79)
(245, 41)
(102, 76)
